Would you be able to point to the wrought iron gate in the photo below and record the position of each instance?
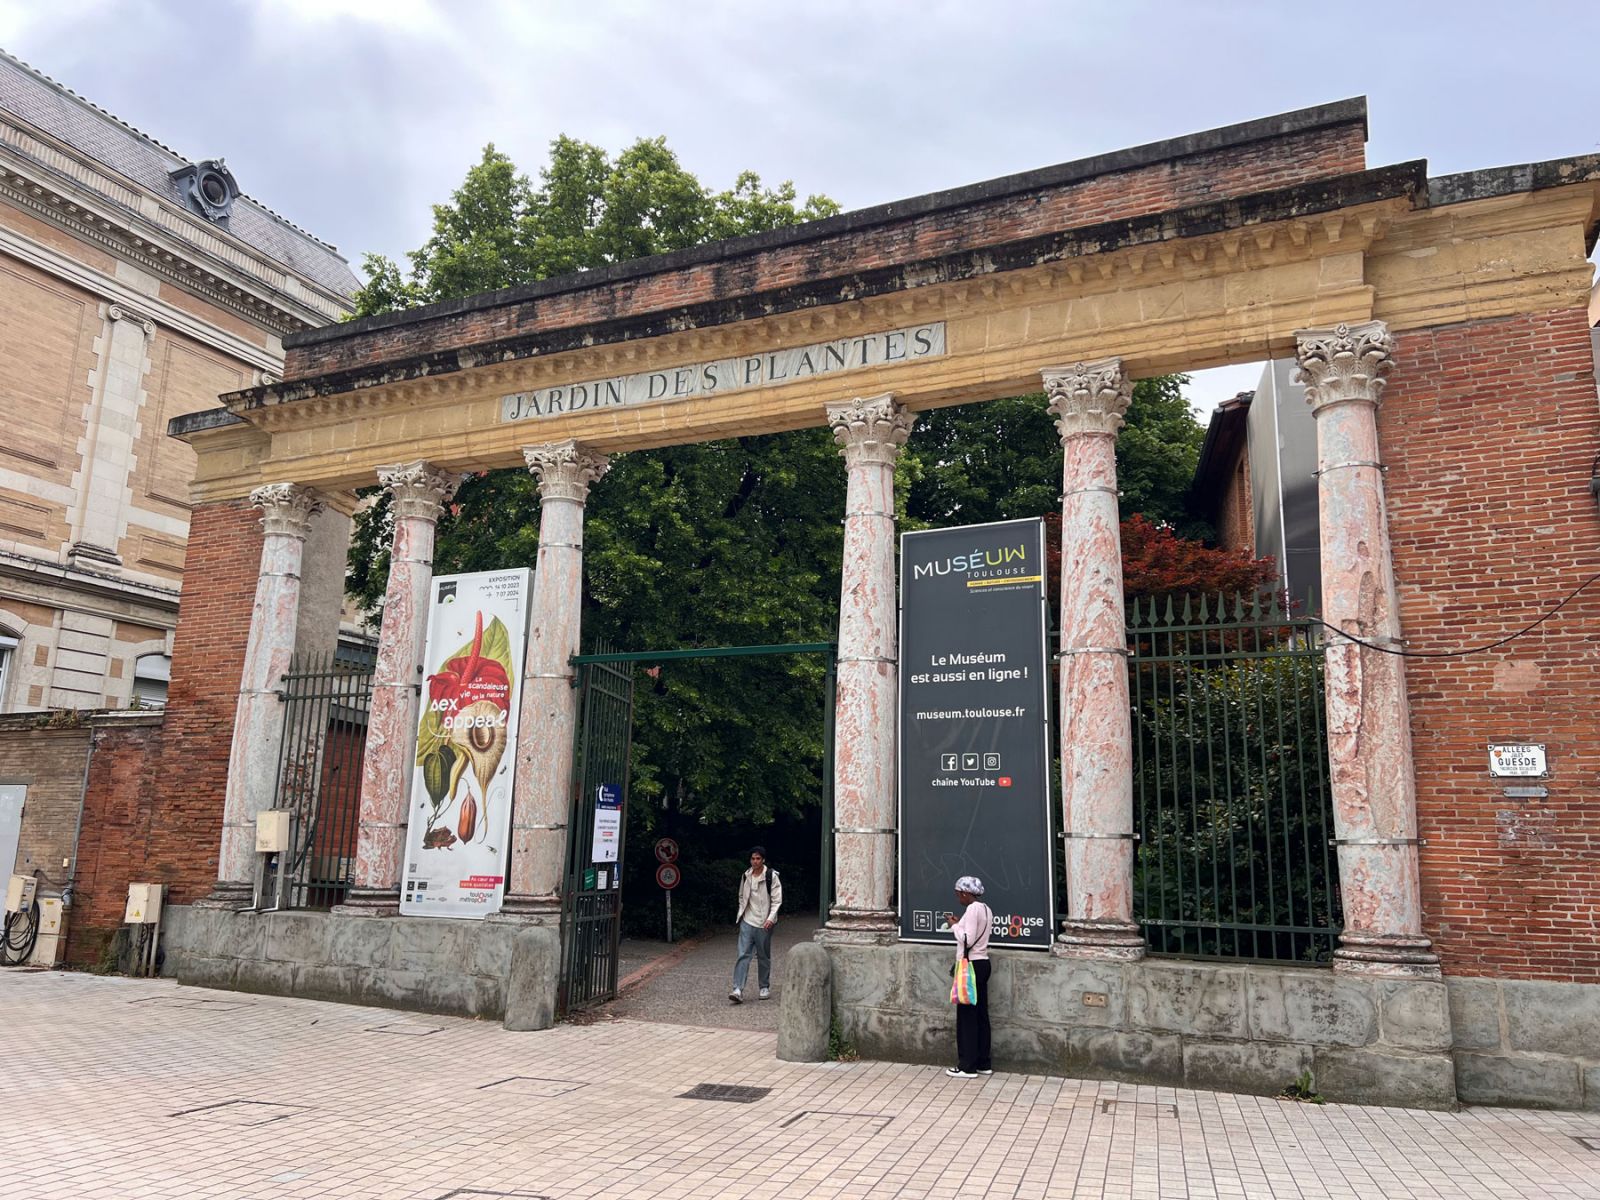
(1232, 805)
(325, 703)
(591, 901)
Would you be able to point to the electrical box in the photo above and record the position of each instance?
(52, 939)
(20, 892)
(272, 831)
(144, 904)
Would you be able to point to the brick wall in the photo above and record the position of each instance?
(153, 804)
(121, 787)
(1489, 430)
(1230, 171)
(49, 762)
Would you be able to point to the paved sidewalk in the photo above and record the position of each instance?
(117, 1088)
(693, 989)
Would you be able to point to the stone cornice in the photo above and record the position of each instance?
(870, 430)
(565, 470)
(62, 266)
(1349, 208)
(1088, 398)
(254, 287)
(41, 581)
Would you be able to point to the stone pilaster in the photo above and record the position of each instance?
(418, 491)
(100, 513)
(286, 512)
(548, 720)
(1369, 717)
(870, 434)
(1089, 400)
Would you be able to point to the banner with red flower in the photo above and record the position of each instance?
(460, 808)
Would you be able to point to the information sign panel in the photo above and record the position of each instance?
(607, 822)
(460, 800)
(974, 730)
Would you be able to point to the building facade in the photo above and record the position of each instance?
(135, 287)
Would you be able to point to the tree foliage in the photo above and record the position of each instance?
(588, 210)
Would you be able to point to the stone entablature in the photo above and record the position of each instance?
(1226, 282)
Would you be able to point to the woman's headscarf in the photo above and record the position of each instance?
(970, 884)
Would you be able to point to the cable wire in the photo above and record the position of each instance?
(1573, 595)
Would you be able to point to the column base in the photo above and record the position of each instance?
(1410, 956)
(1114, 941)
(860, 927)
(519, 909)
(229, 895)
(369, 902)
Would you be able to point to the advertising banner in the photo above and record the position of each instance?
(974, 730)
(460, 818)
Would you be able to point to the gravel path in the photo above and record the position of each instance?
(692, 988)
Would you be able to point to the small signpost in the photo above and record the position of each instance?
(668, 875)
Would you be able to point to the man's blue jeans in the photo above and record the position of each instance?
(754, 942)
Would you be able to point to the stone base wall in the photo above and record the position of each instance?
(1224, 1027)
(424, 965)
(1528, 1042)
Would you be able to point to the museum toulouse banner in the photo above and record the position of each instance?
(974, 735)
(460, 814)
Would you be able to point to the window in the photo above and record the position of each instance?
(150, 675)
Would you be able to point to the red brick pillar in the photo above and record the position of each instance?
(1369, 718)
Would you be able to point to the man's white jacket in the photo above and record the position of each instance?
(747, 885)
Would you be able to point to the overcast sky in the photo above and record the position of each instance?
(351, 117)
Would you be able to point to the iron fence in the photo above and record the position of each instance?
(1232, 805)
(319, 773)
(591, 907)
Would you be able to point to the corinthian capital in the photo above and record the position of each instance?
(565, 470)
(419, 489)
(871, 430)
(1088, 397)
(1344, 365)
(286, 508)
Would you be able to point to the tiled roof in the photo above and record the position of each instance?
(114, 144)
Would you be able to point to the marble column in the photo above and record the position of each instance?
(1369, 718)
(418, 491)
(1089, 400)
(286, 512)
(548, 716)
(870, 434)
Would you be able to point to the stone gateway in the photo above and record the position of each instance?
(1439, 325)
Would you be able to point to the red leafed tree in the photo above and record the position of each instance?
(1157, 562)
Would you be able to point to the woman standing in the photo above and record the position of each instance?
(972, 943)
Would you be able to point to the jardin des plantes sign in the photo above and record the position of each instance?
(766, 369)
(460, 814)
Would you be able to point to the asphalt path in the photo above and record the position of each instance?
(688, 985)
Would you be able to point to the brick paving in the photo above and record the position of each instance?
(117, 1088)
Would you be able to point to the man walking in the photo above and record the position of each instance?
(760, 897)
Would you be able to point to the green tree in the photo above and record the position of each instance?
(1002, 460)
(589, 210)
